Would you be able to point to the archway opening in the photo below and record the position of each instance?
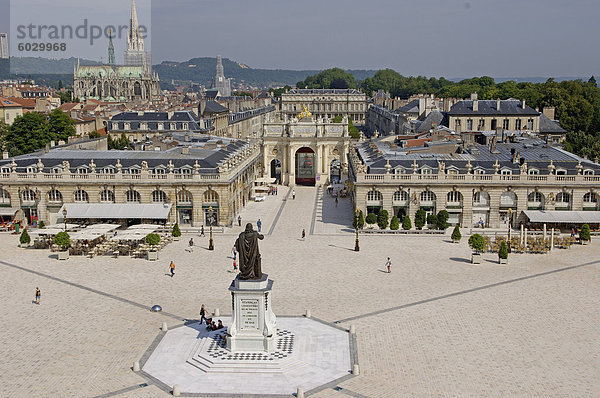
(305, 166)
(335, 171)
(276, 169)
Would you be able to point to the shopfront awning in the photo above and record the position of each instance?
(8, 211)
(563, 217)
(153, 211)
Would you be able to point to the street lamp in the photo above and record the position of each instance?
(509, 213)
(64, 212)
(356, 243)
(211, 245)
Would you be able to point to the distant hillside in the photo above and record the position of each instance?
(199, 70)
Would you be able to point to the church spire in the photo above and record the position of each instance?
(111, 49)
(135, 42)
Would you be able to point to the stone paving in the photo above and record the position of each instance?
(436, 326)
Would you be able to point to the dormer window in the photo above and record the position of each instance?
(82, 170)
(561, 172)
(426, 170)
(506, 172)
(399, 170)
(588, 172)
(32, 169)
(533, 172)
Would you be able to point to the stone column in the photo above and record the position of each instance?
(494, 221)
(467, 208)
(291, 165)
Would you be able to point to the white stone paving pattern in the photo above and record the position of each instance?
(437, 326)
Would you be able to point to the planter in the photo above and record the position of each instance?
(585, 242)
(152, 256)
(455, 241)
(64, 255)
(176, 238)
(503, 260)
(475, 258)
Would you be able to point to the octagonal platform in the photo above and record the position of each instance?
(309, 354)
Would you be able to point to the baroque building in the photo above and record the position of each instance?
(133, 81)
(325, 103)
(485, 184)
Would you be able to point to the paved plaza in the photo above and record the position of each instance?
(436, 326)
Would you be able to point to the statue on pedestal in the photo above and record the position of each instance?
(249, 254)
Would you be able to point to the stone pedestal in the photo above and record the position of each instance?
(253, 323)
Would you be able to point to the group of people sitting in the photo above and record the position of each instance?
(211, 325)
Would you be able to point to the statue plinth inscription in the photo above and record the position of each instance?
(253, 323)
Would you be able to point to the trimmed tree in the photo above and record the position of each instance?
(24, 239)
(63, 240)
(456, 236)
(176, 232)
(585, 233)
(41, 225)
(420, 217)
(382, 219)
(432, 219)
(406, 224)
(503, 251)
(371, 218)
(442, 219)
(153, 239)
(477, 243)
(394, 224)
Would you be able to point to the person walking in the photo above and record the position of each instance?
(191, 244)
(259, 224)
(202, 314)
(293, 194)
(38, 295)
(234, 252)
(303, 234)
(172, 268)
(239, 220)
(388, 264)
(202, 231)
(234, 266)
(336, 201)
(275, 191)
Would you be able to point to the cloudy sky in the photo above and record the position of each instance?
(452, 38)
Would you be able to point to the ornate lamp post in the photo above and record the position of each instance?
(509, 213)
(211, 245)
(64, 212)
(356, 243)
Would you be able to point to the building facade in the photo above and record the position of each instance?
(306, 152)
(489, 185)
(325, 103)
(205, 179)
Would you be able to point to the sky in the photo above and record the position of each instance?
(451, 38)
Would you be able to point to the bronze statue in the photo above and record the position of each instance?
(249, 255)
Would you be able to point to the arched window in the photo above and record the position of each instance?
(54, 196)
(427, 196)
(81, 196)
(481, 199)
(588, 172)
(133, 196)
(508, 199)
(563, 197)
(400, 196)
(184, 197)
(82, 170)
(533, 172)
(28, 195)
(590, 197)
(107, 196)
(374, 196)
(211, 196)
(4, 197)
(536, 197)
(159, 170)
(159, 196)
(561, 172)
(454, 196)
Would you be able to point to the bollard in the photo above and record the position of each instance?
(136, 366)
(308, 315)
(352, 329)
(299, 392)
(355, 369)
(217, 312)
(552, 240)
(164, 327)
(176, 391)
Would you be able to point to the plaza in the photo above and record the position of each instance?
(435, 326)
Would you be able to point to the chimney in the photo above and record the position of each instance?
(475, 102)
(548, 111)
(4, 154)
(201, 107)
(498, 105)
(523, 103)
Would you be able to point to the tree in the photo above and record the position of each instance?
(278, 91)
(584, 234)
(406, 224)
(28, 133)
(442, 219)
(176, 232)
(94, 134)
(420, 218)
(153, 239)
(329, 78)
(61, 125)
(63, 240)
(24, 239)
(477, 243)
(394, 224)
(60, 84)
(432, 219)
(503, 251)
(371, 218)
(41, 224)
(382, 219)
(456, 236)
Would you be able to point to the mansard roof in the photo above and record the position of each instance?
(548, 125)
(490, 107)
(320, 91)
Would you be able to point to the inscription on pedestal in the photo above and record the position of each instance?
(249, 314)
